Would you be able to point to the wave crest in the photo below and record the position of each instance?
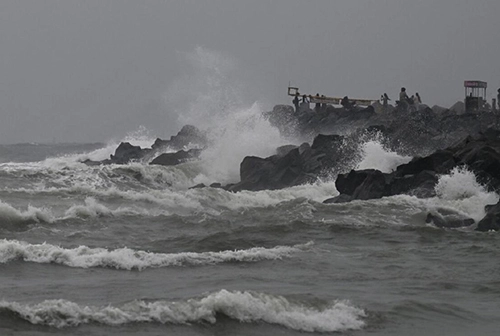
(13, 216)
(243, 306)
(128, 259)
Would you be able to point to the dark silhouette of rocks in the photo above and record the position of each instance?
(172, 159)
(439, 141)
(124, 154)
(298, 166)
(187, 136)
(409, 133)
(127, 152)
(480, 153)
(373, 184)
(491, 222)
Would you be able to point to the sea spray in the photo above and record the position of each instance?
(243, 306)
(128, 259)
(236, 128)
(243, 132)
(376, 156)
(460, 191)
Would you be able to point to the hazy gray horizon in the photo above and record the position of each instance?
(89, 71)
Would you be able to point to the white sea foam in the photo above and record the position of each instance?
(243, 306)
(212, 99)
(140, 137)
(92, 208)
(375, 156)
(128, 259)
(459, 184)
(11, 215)
(172, 200)
(243, 131)
(460, 191)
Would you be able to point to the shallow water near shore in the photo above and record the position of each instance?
(127, 250)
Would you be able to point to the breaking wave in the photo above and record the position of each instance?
(460, 190)
(375, 156)
(243, 306)
(12, 216)
(128, 259)
(92, 208)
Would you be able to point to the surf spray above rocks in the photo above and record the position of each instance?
(439, 141)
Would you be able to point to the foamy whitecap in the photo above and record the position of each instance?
(128, 259)
(11, 215)
(457, 192)
(92, 208)
(460, 191)
(168, 201)
(243, 306)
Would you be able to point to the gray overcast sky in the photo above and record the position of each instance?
(94, 70)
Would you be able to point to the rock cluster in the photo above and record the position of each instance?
(292, 165)
(188, 136)
(438, 139)
(480, 153)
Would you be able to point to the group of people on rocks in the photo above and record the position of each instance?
(303, 103)
(300, 104)
(406, 103)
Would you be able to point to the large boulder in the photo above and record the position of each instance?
(491, 222)
(362, 184)
(277, 172)
(127, 152)
(292, 166)
(421, 185)
(188, 136)
(172, 159)
(440, 162)
(481, 154)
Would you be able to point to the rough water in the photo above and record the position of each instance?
(131, 250)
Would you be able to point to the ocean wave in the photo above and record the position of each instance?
(202, 200)
(12, 216)
(91, 208)
(243, 306)
(128, 259)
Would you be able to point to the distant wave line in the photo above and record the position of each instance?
(128, 259)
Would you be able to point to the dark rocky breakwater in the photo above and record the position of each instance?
(439, 140)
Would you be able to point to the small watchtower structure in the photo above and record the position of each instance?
(475, 95)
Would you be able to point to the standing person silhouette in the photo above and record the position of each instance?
(296, 102)
(317, 107)
(403, 99)
(498, 99)
(419, 100)
(385, 101)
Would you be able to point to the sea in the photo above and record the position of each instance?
(132, 250)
